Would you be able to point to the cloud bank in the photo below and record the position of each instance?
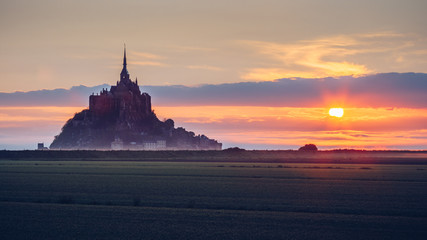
(380, 90)
(382, 111)
(392, 90)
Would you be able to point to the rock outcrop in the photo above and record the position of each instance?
(122, 118)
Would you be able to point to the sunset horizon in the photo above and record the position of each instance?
(249, 126)
(253, 75)
(212, 120)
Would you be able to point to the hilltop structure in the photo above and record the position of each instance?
(123, 99)
(122, 118)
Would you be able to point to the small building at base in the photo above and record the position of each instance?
(40, 146)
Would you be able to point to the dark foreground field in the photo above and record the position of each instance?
(57, 198)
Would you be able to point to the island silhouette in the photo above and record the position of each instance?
(122, 119)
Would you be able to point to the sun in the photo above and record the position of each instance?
(336, 112)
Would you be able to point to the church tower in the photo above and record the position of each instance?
(125, 99)
(124, 112)
(124, 75)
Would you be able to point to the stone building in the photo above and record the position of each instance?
(122, 119)
(123, 99)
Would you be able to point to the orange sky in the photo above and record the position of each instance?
(378, 128)
(248, 127)
(61, 44)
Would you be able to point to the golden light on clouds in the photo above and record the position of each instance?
(353, 115)
(24, 127)
(211, 114)
(276, 127)
(148, 63)
(318, 58)
(146, 59)
(48, 114)
(361, 128)
(204, 67)
(144, 55)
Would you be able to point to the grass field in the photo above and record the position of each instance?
(87, 199)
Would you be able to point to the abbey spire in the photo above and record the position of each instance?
(122, 118)
(124, 57)
(124, 75)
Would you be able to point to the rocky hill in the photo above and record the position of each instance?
(122, 118)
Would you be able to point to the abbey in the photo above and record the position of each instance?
(122, 118)
(124, 98)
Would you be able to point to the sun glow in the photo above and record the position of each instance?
(247, 126)
(336, 112)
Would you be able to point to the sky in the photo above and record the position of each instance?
(210, 45)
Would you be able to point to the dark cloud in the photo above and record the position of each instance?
(76, 96)
(379, 90)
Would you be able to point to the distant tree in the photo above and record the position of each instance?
(169, 124)
(308, 148)
(234, 150)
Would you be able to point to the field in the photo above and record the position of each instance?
(206, 195)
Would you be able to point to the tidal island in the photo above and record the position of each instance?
(122, 119)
